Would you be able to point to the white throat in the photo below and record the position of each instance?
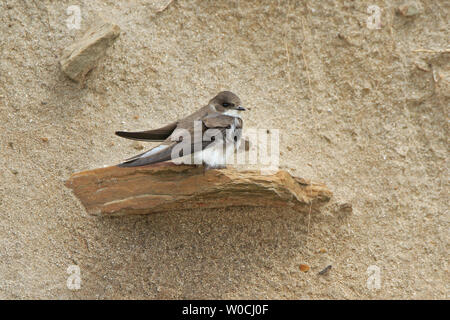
(232, 113)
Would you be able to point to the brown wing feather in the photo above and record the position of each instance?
(159, 134)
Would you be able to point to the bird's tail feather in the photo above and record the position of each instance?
(159, 134)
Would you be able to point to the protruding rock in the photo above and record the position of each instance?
(82, 56)
(304, 267)
(345, 207)
(166, 186)
(408, 9)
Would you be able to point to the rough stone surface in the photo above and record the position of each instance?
(166, 187)
(409, 9)
(82, 56)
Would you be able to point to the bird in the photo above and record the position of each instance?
(203, 135)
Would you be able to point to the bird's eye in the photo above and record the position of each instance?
(225, 104)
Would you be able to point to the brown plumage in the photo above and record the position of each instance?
(221, 113)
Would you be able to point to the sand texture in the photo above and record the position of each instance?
(363, 110)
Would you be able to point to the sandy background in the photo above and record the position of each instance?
(358, 108)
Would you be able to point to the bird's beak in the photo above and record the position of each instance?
(241, 108)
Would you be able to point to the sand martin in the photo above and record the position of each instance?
(209, 135)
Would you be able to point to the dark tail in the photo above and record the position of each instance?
(149, 135)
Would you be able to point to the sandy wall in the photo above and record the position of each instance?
(358, 109)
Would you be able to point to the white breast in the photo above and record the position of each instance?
(217, 153)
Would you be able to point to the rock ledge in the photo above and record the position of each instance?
(166, 186)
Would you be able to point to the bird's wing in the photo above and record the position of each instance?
(159, 134)
(165, 151)
(223, 123)
(160, 153)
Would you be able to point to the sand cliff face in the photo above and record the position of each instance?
(362, 109)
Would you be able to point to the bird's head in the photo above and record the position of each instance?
(227, 102)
